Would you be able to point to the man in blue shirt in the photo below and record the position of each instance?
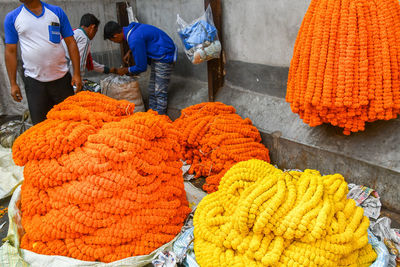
(149, 45)
(39, 27)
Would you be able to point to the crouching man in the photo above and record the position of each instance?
(149, 45)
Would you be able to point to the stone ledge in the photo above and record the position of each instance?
(371, 158)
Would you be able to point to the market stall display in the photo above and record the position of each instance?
(262, 216)
(345, 65)
(214, 138)
(100, 183)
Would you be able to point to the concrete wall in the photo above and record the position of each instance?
(258, 35)
(255, 31)
(260, 32)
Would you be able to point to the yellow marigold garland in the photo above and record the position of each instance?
(111, 191)
(262, 216)
(345, 65)
(214, 138)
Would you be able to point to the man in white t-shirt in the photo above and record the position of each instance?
(83, 35)
(39, 27)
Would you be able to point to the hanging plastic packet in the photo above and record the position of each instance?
(131, 16)
(200, 38)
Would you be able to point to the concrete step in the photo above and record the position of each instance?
(370, 158)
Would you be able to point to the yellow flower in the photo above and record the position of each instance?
(262, 216)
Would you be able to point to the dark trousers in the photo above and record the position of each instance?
(42, 96)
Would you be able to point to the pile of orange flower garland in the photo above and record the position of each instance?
(214, 138)
(100, 185)
(3, 211)
(345, 67)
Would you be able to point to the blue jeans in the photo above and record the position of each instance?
(158, 86)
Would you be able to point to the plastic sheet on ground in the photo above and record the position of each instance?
(383, 254)
(366, 198)
(165, 259)
(382, 229)
(12, 255)
(193, 194)
(369, 200)
(185, 170)
(10, 174)
(182, 251)
(10, 130)
(184, 248)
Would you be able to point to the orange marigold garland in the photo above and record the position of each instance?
(345, 66)
(110, 192)
(214, 138)
(68, 126)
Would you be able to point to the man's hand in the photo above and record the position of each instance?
(11, 64)
(77, 82)
(127, 57)
(16, 93)
(122, 71)
(75, 58)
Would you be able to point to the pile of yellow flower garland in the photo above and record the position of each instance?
(262, 216)
(214, 138)
(100, 185)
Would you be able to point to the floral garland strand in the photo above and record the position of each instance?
(68, 126)
(262, 216)
(117, 193)
(214, 138)
(345, 66)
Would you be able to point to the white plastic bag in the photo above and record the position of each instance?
(200, 38)
(123, 88)
(131, 16)
(10, 174)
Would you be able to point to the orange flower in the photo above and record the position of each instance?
(345, 67)
(100, 184)
(214, 138)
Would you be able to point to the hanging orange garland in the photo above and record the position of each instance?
(214, 138)
(100, 185)
(345, 66)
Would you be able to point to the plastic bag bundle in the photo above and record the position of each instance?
(200, 38)
(123, 88)
(262, 216)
